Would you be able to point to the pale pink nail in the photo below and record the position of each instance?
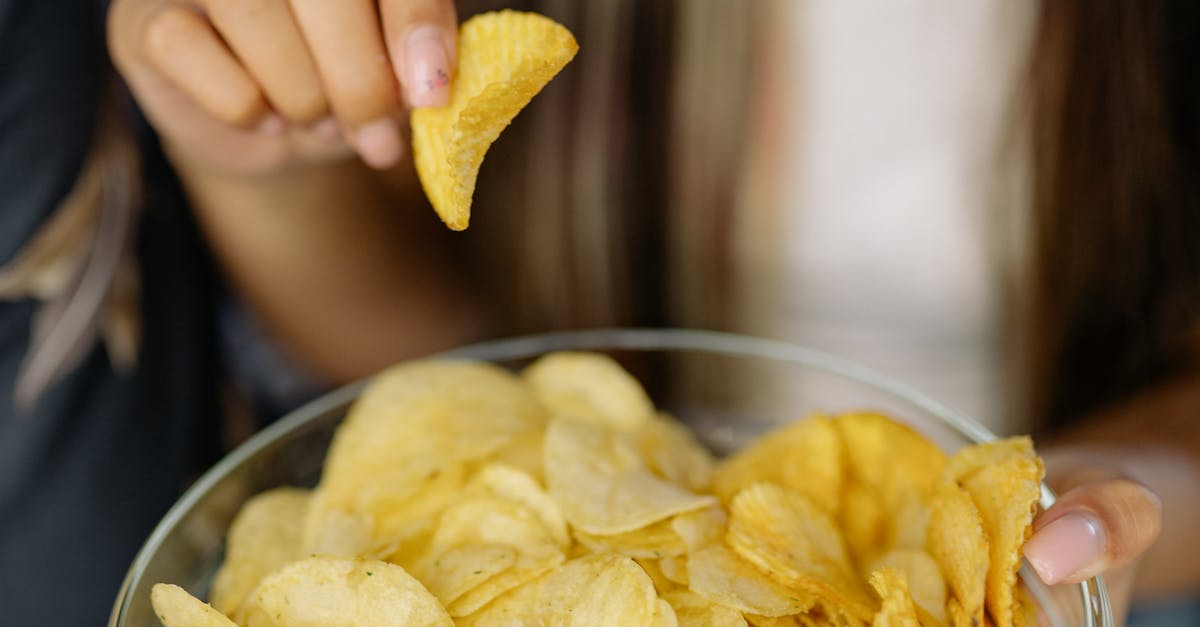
(428, 68)
(1064, 547)
(272, 124)
(378, 143)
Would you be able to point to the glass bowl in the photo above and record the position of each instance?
(728, 388)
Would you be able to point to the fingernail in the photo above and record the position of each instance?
(272, 124)
(1064, 547)
(428, 68)
(378, 143)
(327, 128)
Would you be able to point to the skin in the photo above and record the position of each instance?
(283, 118)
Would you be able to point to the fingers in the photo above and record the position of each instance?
(1097, 525)
(264, 36)
(345, 40)
(183, 46)
(422, 43)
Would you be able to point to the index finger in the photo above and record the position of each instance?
(422, 38)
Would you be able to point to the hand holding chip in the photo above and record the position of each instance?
(254, 86)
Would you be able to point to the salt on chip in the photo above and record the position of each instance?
(805, 457)
(591, 591)
(924, 578)
(329, 592)
(1006, 492)
(720, 575)
(602, 484)
(176, 608)
(589, 387)
(786, 535)
(958, 542)
(264, 536)
(672, 451)
(504, 59)
(897, 609)
(693, 610)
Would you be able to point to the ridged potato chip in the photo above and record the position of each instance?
(693, 610)
(786, 535)
(958, 542)
(805, 457)
(513, 485)
(701, 527)
(653, 541)
(897, 609)
(602, 484)
(264, 536)
(591, 591)
(176, 608)
(504, 59)
(925, 581)
(327, 592)
(720, 575)
(673, 453)
(589, 387)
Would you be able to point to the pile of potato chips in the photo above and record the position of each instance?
(457, 493)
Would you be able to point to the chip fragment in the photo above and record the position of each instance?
(504, 59)
(176, 608)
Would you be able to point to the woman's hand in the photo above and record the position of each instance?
(1101, 524)
(253, 86)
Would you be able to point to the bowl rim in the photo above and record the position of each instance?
(1093, 592)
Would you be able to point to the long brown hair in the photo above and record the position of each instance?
(1115, 290)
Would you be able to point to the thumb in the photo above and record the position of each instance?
(1101, 521)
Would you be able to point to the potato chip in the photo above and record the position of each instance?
(924, 580)
(664, 615)
(595, 590)
(176, 608)
(263, 536)
(673, 453)
(651, 542)
(675, 569)
(504, 59)
(407, 527)
(654, 570)
(786, 535)
(523, 452)
(770, 621)
(720, 575)
(514, 485)
(693, 610)
(805, 457)
(529, 567)
(971, 458)
(602, 484)
(323, 592)
(412, 422)
(701, 527)
(590, 387)
(864, 522)
(1006, 493)
(897, 609)
(455, 571)
(958, 543)
(336, 532)
(888, 456)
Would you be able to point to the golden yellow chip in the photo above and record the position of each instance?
(589, 387)
(602, 484)
(322, 592)
(958, 543)
(701, 527)
(651, 542)
(594, 590)
(805, 457)
(504, 59)
(864, 522)
(264, 536)
(888, 456)
(653, 568)
(664, 615)
(1006, 493)
(897, 610)
(674, 454)
(771, 621)
(971, 458)
(720, 575)
(513, 485)
(786, 535)
(693, 610)
(450, 573)
(675, 569)
(925, 582)
(176, 608)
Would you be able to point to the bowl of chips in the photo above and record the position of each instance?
(611, 477)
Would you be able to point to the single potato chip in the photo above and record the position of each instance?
(504, 59)
(651, 542)
(176, 608)
(518, 487)
(701, 527)
(924, 580)
(664, 615)
(966, 461)
(1006, 493)
(592, 591)
(958, 542)
(693, 610)
(450, 573)
(804, 456)
(602, 484)
(888, 456)
(674, 453)
(675, 569)
(784, 534)
(590, 387)
(720, 575)
(264, 536)
(324, 592)
(897, 609)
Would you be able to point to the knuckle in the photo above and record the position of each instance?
(165, 28)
